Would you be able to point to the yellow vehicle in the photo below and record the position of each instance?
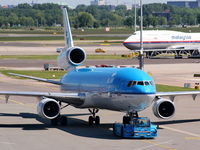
(100, 50)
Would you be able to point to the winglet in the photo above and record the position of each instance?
(67, 30)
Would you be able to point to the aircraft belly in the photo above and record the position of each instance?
(118, 102)
(148, 46)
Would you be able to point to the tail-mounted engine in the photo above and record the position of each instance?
(163, 108)
(71, 57)
(48, 108)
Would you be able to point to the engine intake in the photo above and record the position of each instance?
(48, 108)
(163, 108)
(71, 57)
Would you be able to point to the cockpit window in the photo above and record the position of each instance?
(131, 83)
(143, 83)
(140, 83)
(147, 83)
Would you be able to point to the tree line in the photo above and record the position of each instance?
(49, 14)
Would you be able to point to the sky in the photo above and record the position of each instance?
(74, 3)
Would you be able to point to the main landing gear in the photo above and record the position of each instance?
(60, 120)
(129, 117)
(93, 119)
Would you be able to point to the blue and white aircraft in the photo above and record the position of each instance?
(128, 90)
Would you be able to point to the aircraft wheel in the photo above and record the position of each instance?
(91, 120)
(63, 120)
(126, 120)
(97, 120)
(54, 122)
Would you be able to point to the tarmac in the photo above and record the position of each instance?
(21, 128)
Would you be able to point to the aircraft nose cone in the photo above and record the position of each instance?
(147, 90)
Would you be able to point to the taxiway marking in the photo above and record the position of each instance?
(181, 131)
(154, 144)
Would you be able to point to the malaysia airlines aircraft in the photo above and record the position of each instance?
(163, 41)
(128, 90)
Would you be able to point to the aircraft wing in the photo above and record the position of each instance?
(70, 98)
(172, 95)
(36, 78)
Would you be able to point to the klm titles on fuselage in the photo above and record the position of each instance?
(181, 37)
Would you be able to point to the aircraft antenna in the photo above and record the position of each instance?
(141, 55)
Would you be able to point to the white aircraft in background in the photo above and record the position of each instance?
(165, 41)
(128, 90)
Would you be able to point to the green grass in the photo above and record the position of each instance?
(53, 38)
(59, 74)
(168, 88)
(118, 30)
(54, 57)
(41, 74)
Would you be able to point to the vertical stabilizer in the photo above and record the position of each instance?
(67, 30)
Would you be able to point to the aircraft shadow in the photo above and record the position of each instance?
(176, 121)
(77, 126)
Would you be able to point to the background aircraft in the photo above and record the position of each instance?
(165, 41)
(128, 90)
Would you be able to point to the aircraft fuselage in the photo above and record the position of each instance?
(120, 89)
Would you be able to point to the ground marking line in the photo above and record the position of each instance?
(192, 138)
(154, 144)
(8, 143)
(181, 131)
(20, 103)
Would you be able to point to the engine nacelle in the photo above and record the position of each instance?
(48, 108)
(71, 57)
(163, 108)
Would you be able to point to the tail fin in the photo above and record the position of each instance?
(67, 30)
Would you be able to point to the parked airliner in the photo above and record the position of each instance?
(160, 41)
(128, 90)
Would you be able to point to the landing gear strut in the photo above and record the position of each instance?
(129, 117)
(60, 120)
(94, 119)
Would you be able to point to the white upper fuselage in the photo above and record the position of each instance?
(162, 39)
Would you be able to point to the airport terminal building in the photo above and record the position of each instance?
(187, 4)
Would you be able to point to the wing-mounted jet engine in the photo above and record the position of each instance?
(163, 108)
(70, 56)
(48, 108)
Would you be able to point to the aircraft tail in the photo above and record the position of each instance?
(70, 56)
(67, 30)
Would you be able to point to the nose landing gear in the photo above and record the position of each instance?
(94, 119)
(129, 117)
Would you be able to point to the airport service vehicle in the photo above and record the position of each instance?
(128, 90)
(139, 127)
(165, 41)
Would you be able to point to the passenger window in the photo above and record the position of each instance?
(147, 83)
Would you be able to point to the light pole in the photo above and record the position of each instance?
(135, 16)
(141, 55)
